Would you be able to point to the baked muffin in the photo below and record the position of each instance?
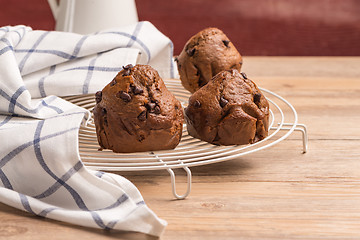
(204, 55)
(136, 112)
(229, 110)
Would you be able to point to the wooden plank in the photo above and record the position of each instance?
(281, 163)
(278, 193)
(314, 67)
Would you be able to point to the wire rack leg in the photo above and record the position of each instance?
(173, 180)
(173, 183)
(303, 130)
(300, 128)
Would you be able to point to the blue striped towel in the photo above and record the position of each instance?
(40, 168)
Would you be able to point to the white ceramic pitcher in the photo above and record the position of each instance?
(89, 16)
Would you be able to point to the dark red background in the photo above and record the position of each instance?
(256, 27)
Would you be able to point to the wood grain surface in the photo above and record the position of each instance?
(278, 193)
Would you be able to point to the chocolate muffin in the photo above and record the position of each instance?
(136, 112)
(229, 110)
(204, 55)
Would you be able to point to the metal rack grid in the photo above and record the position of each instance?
(190, 152)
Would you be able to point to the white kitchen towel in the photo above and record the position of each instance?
(40, 168)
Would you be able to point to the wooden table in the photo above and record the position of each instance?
(277, 193)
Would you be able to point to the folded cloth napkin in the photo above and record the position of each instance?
(40, 168)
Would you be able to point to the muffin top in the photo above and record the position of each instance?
(229, 110)
(136, 112)
(204, 55)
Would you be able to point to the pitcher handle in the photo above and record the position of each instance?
(54, 5)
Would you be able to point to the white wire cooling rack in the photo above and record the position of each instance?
(190, 152)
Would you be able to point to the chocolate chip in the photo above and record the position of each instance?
(191, 52)
(223, 101)
(257, 97)
(176, 59)
(128, 66)
(142, 116)
(124, 96)
(226, 43)
(103, 111)
(157, 109)
(197, 104)
(153, 107)
(127, 70)
(244, 75)
(113, 82)
(141, 138)
(98, 96)
(136, 90)
(150, 106)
